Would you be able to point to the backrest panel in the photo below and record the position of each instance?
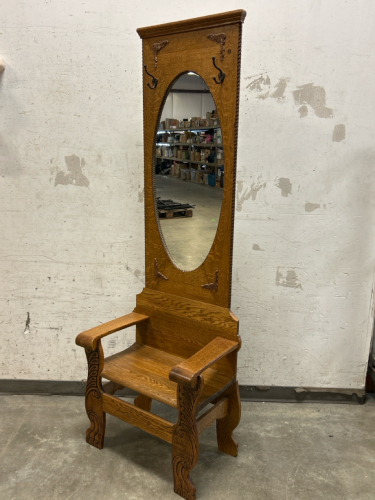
(182, 326)
(190, 48)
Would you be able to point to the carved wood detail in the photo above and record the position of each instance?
(182, 331)
(219, 38)
(156, 48)
(171, 64)
(213, 286)
(239, 49)
(93, 397)
(157, 273)
(185, 440)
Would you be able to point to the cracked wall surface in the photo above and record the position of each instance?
(71, 177)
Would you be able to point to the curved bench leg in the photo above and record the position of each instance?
(225, 426)
(93, 398)
(185, 440)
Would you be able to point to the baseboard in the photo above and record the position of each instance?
(247, 392)
(302, 395)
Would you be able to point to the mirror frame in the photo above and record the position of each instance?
(169, 50)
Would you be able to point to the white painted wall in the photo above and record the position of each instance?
(71, 178)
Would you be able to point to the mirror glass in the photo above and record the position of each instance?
(189, 171)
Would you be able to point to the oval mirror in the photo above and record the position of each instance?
(189, 171)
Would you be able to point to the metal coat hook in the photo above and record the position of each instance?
(157, 273)
(221, 75)
(215, 285)
(154, 79)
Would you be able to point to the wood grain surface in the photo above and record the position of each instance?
(94, 397)
(89, 338)
(219, 410)
(143, 402)
(185, 440)
(225, 426)
(186, 373)
(183, 326)
(111, 387)
(146, 370)
(184, 332)
(138, 417)
(189, 49)
(198, 23)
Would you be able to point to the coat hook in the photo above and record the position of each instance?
(154, 79)
(215, 285)
(158, 274)
(221, 75)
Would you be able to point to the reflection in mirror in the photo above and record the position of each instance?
(189, 171)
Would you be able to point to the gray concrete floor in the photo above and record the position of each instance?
(189, 239)
(287, 452)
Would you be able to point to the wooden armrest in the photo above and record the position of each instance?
(186, 373)
(89, 338)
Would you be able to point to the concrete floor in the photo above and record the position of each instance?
(287, 451)
(189, 239)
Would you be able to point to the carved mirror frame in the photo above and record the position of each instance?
(210, 47)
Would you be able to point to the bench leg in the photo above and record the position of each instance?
(185, 441)
(225, 426)
(143, 402)
(93, 398)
